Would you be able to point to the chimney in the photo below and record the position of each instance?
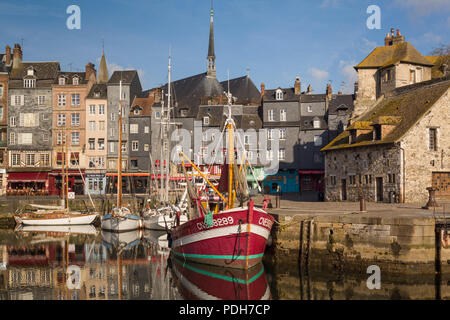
(329, 91)
(393, 39)
(90, 69)
(339, 92)
(17, 56)
(297, 86)
(8, 55)
(263, 86)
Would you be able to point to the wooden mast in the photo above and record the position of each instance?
(66, 175)
(119, 166)
(230, 165)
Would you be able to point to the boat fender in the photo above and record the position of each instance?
(209, 219)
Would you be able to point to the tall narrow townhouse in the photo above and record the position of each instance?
(96, 137)
(30, 123)
(69, 127)
(131, 87)
(5, 68)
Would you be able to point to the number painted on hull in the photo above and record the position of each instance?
(220, 222)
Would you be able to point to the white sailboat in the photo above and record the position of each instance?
(120, 219)
(166, 217)
(40, 215)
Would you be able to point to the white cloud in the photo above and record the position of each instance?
(318, 74)
(349, 75)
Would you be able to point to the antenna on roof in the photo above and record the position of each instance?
(248, 72)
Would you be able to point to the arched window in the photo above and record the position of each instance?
(279, 94)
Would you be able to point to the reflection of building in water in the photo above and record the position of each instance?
(94, 281)
(3, 272)
(28, 275)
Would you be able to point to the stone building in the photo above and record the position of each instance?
(396, 150)
(69, 127)
(391, 66)
(30, 122)
(5, 67)
(396, 145)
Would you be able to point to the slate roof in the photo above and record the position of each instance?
(244, 90)
(187, 93)
(126, 76)
(309, 98)
(69, 77)
(386, 56)
(43, 70)
(343, 102)
(101, 89)
(406, 106)
(288, 95)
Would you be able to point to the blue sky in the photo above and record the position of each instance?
(317, 40)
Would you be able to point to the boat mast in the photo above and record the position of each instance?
(119, 167)
(230, 152)
(167, 149)
(66, 175)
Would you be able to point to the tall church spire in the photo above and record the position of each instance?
(103, 76)
(211, 59)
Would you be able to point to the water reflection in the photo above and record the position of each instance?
(202, 282)
(82, 263)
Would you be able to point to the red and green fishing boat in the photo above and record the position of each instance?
(233, 237)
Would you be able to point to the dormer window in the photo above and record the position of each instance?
(62, 81)
(96, 94)
(76, 81)
(279, 94)
(316, 123)
(29, 83)
(206, 121)
(30, 72)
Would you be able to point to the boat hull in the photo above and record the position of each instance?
(237, 238)
(59, 220)
(202, 282)
(162, 222)
(121, 224)
(76, 229)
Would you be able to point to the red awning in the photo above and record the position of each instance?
(27, 176)
(311, 171)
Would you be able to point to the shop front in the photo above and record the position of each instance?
(311, 180)
(95, 183)
(28, 183)
(76, 183)
(286, 179)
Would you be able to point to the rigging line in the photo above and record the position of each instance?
(84, 181)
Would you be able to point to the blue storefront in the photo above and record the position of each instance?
(287, 179)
